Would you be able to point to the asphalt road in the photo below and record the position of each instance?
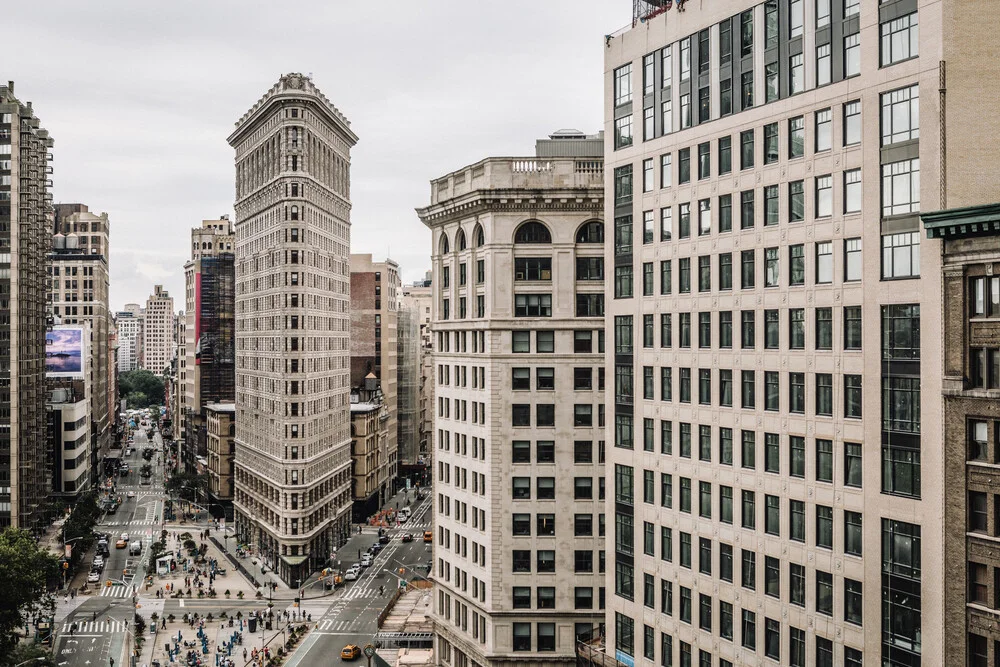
(104, 619)
(351, 616)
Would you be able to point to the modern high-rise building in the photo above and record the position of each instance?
(375, 293)
(411, 463)
(158, 331)
(78, 290)
(518, 305)
(129, 340)
(25, 237)
(775, 464)
(207, 367)
(293, 460)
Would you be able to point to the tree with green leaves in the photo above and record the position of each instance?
(25, 569)
(141, 389)
(183, 484)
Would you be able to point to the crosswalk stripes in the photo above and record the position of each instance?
(115, 591)
(88, 627)
(333, 625)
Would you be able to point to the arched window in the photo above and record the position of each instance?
(445, 248)
(532, 232)
(478, 237)
(460, 240)
(591, 232)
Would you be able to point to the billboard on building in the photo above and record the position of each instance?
(64, 352)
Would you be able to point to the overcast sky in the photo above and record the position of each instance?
(140, 102)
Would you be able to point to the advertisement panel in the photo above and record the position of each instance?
(65, 352)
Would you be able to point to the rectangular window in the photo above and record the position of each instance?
(796, 264)
(824, 263)
(824, 328)
(704, 217)
(725, 155)
(797, 81)
(746, 209)
(666, 223)
(623, 131)
(770, 24)
(852, 464)
(666, 170)
(623, 235)
(748, 335)
(746, 33)
(852, 396)
(533, 305)
(852, 191)
(796, 137)
(824, 394)
(796, 201)
(533, 269)
(771, 82)
(797, 328)
(772, 391)
(748, 628)
(772, 208)
(747, 392)
(824, 196)
(824, 65)
(647, 175)
(901, 187)
(726, 271)
(852, 55)
(900, 115)
(824, 130)
(901, 255)
(771, 267)
(770, 143)
(824, 527)
(747, 269)
(900, 38)
(746, 149)
(746, 85)
(852, 123)
(685, 111)
(748, 510)
(666, 67)
(684, 165)
(623, 84)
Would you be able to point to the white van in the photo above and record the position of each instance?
(404, 515)
(135, 548)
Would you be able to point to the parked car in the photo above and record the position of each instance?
(366, 560)
(352, 573)
(99, 562)
(93, 577)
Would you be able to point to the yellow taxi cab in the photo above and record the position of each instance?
(350, 652)
(120, 544)
(428, 536)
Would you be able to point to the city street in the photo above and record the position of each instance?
(350, 616)
(104, 616)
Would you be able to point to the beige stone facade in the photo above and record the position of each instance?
(518, 297)
(159, 331)
(419, 299)
(293, 462)
(776, 479)
(79, 281)
(220, 424)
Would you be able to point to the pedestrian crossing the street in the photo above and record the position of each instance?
(95, 627)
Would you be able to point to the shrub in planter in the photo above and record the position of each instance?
(227, 593)
(239, 594)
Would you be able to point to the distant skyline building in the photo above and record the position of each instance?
(518, 304)
(419, 299)
(25, 221)
(79, 282)
(207, 351)
(129, 340)
(158, 331)
(375, 292)
(292, 494)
